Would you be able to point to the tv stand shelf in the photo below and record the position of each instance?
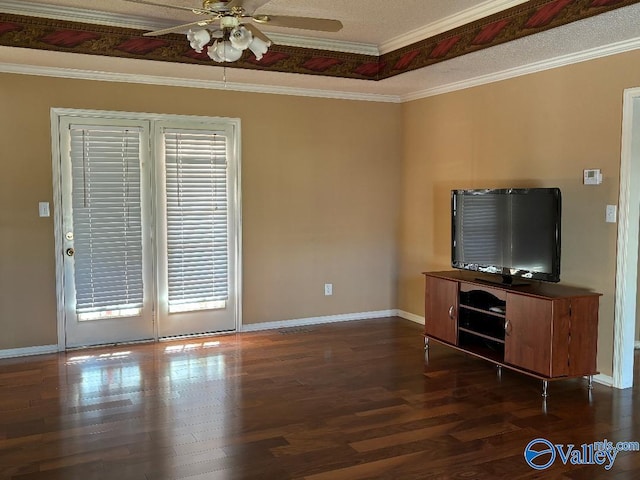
(481, 335)
(547, 331)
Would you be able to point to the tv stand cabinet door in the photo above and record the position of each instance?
(528, 333)
(441, 309)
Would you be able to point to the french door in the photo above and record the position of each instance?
(147, 236)
(106, 205)
(194, 261)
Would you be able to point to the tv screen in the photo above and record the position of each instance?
(510, 232)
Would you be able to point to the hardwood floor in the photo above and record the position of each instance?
(341, 401)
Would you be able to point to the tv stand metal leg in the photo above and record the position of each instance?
(545, 386)
(426, 343)
(590, 384)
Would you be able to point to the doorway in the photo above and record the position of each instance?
(627, 248)
(147, 226)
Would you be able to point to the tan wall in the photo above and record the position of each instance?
(537, 130)
(320, 182)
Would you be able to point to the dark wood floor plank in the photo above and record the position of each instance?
(353, 400)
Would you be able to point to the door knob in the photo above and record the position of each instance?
(70, 252)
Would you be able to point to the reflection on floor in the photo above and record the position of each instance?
(353, 400)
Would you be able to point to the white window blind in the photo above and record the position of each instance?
(196, 196)
(107, 226)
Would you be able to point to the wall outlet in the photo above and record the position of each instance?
(328, 289)
(611, 214)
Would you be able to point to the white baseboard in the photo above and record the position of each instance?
(254, 327)
(26, 351)
(603, 379)
(410, 316)
(300, 322)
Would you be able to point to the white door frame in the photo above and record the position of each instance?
(627, 251)
(235, 177)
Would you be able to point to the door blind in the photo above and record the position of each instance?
(107, 227)
(196, 197)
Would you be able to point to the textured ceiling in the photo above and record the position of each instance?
(370, 26)
(373, 22)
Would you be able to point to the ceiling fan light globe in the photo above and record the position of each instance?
(259, 47)
(240, 38)
(198, 39)
(213, 54)
(223, 51)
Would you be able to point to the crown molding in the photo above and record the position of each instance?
(140, 23)
(81, 15)
(565, 60)
(191, 83)
(469, 15)
(612, 49)
(325, 44)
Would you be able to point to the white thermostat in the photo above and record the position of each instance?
(592, 177)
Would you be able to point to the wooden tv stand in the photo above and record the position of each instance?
(547, 331)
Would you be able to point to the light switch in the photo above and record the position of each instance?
(43, 209)
(612, 213)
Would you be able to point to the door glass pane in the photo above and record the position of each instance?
(197, 226)
(107, 221)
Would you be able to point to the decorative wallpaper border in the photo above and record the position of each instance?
(517, 22)
(514, 23)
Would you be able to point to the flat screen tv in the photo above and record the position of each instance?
(513, 233)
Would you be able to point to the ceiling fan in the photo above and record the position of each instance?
(226, 29)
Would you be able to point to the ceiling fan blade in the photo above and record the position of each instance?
(164, 5)
(305, 23)
(181, 28)
(255, 31)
